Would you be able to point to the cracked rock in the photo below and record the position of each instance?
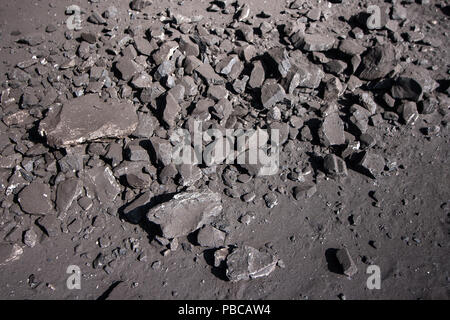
(246, 263)
(87, 118)
(185, 212)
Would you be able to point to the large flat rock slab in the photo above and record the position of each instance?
(185, 212)
(88, 118)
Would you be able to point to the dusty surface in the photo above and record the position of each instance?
(398, 221)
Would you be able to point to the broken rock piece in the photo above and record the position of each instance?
(345, 260)
(372, 164)
(210, 237)
(87, 118)
(185, 212)
(9, 253)
(35, 199)
(249, 263)
(332, 130)
(105, 185)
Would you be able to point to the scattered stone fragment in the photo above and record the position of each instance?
(9, 253)
(280, 58)
(185, 212)
(331, 131)
(87, 118)
(30, 238)
(66, 193)
(315, 42)
(345, 260)
(377, 62)
(334, 166)
(105, 185)
(246, 263)
(271, 200)
(304, 191)
(372, 164)
(36, 199)
(271, 93)
(210, 237)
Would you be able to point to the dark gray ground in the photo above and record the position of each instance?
(404, 211)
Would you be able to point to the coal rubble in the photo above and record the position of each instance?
(89, 121)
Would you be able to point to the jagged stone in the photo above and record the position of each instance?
(372, 164)
(185, 212)
(36, 199)
(331, 131)
(87, 118)
(210, 237)
(334, 166)
(378, 62)
(67, 191)
(271, 93)
(245, 263)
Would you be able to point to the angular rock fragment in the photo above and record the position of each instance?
(257, 75)
(331, 131)
(304, 191)
(105, 185)
(303, 74)
(30, 238)
(409, 113)
(210, 237)
(371, 164)
(136, 210)
(345, 260)
(165, 52)
(377, 62)
(185, 212)
(35, 199)
(171, 110)
(87, 118)
(127, 68)
(67, 191)
(280, 57)
(314, 42)
(208, 74)
(334, 166)
(246, 263)
(162, 149)
(9, 253)
(271, 93)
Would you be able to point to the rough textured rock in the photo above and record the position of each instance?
(210, 237)
(345, 260)
(185, 212)
(88, 118)
(372, 164)
(9, 253)
(332, 130)
(271, 93)
(36, 199)
(105, 185)
(377, 62)
(246, 263)
(66, 193)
